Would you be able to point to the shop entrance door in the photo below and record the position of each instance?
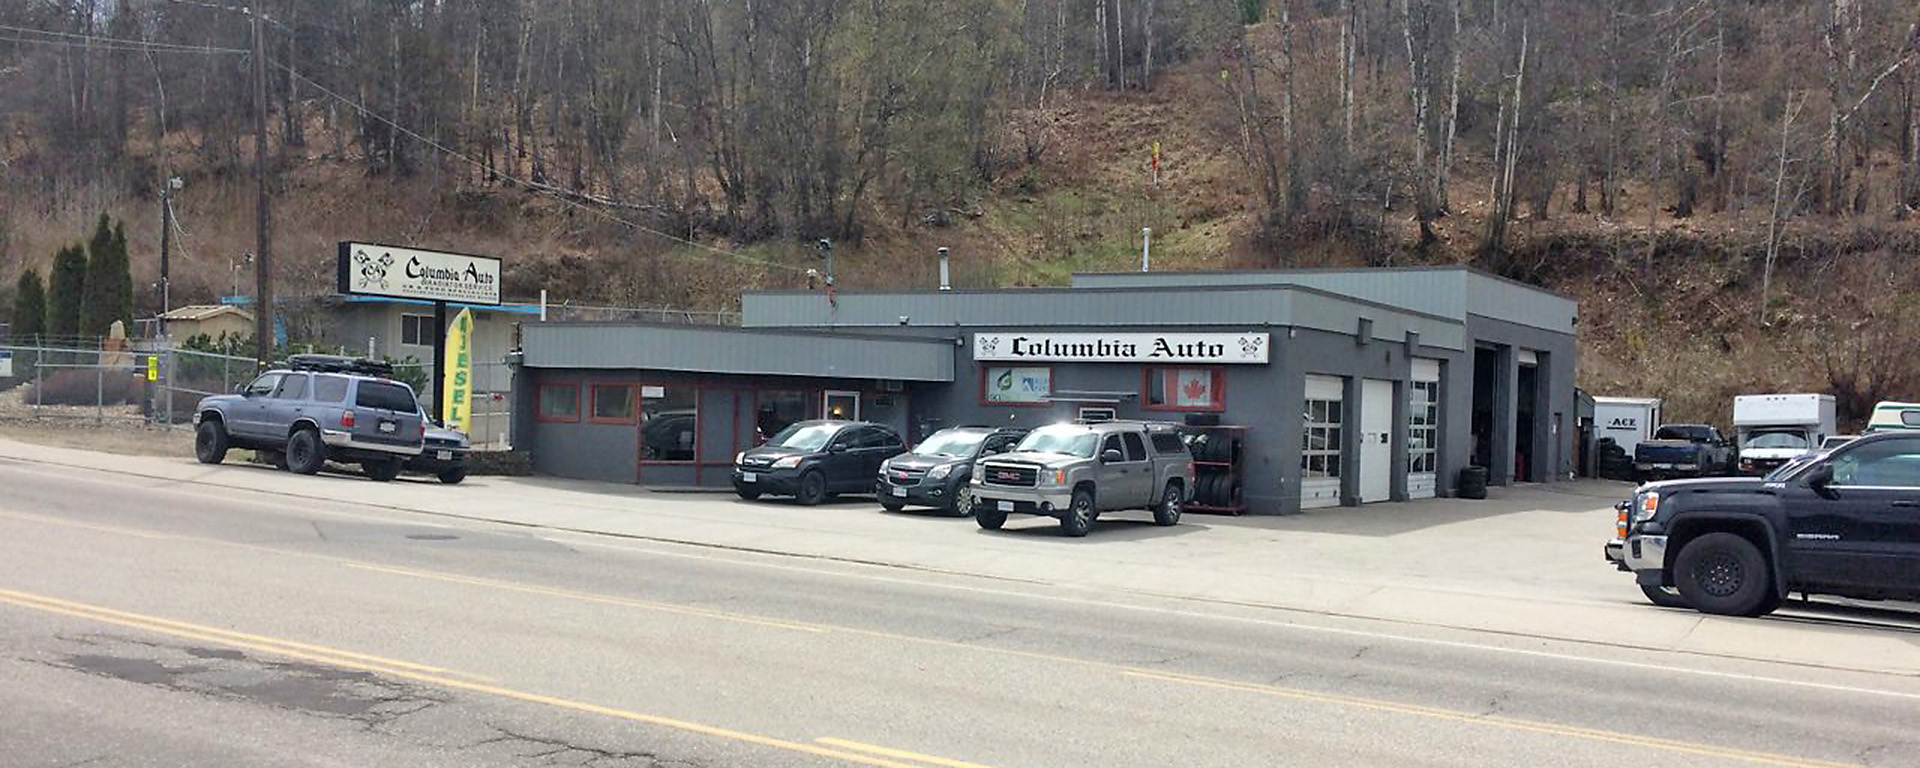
(839, 404)
(1376, 440)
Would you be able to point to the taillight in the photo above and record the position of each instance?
(346, 419)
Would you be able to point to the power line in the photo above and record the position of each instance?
(73, 39)
(112, 47)
(363, 110)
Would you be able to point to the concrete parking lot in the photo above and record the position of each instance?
(1524, 563)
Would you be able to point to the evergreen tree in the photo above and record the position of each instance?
(29, 309)
(65, 287)
(108, 293)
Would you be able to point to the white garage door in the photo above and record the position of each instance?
(1322, 421)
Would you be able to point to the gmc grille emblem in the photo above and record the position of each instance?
(1005, 475)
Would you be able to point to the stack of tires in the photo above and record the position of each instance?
(1612, 461)
(1216, 454)
(1473, 482)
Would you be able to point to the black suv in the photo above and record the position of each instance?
(813, 460)
(1844, 523)
(939, 471)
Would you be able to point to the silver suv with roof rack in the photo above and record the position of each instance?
(312, 410)
(1076, 471)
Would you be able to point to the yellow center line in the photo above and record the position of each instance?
(21, 597)
(590, 597)
(1374, 704)
(897, 753)
(342, 659)
(1508, 723)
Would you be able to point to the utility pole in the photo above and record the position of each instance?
(166, 241)
(263, 221)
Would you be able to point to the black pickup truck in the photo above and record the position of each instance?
(1844, 523)
(1683, 450)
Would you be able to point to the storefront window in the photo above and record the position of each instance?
(1320, 439)
(1423, 426)
(670, 429)
(613, 403)
(1186, 389)
(776, 409)
(559, 402)
(1016, 386)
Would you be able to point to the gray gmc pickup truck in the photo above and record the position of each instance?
(1074, 472)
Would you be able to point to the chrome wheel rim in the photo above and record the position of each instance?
(963, 501)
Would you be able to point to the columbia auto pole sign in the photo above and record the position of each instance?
(371, 269)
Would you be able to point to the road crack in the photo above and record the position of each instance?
(554, 751)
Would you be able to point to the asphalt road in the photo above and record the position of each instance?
(145, 623)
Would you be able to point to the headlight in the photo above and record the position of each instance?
(1053, 477)
(740, 457)
(940, 472)
(787, 463)
(1649, 504)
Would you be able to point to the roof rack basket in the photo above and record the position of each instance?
(339, 364)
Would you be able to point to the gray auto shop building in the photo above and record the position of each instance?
(1340, 386)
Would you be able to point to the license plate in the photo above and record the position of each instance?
(388, 427)
(748, 477)
(444, 455)
(899, 491)
(1005, 506)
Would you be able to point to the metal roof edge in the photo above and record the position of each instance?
(811, 332)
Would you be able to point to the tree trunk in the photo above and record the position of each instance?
(1610, 185)
(1833, 183)
(1719, 138)
(1120, 43)
(1444, 170)
(1146, 67)
(1775, 225)
(1296, 176)
(1419, 86)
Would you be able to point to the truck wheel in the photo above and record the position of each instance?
(305, 452)
(1723, 573)
(1665, 597)
(990, 519)
(210, 442)
(384, 470)
(746, 494)
(1077, 519)
(453, 476)
(1168, 511)
(892, 506)
(813, 489)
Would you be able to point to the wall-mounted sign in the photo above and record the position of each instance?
(370, 269)
(6, 365)
(1217, 348)
(1019, 385)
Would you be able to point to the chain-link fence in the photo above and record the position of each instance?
(162, 387)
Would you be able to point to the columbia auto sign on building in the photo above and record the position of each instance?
(1215, 348)
(371, 269)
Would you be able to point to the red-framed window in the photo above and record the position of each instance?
(1184, 388)
(557, 401)
(611, 403)
(669, 423)
(1022, 386)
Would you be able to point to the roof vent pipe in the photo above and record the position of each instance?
(946, 276)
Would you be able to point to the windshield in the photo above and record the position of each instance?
(1072, 441)
(950, 442)
(804, 437)
(1794, 440)
(1791, 468)
(1681, 433)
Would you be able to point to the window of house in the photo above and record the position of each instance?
(416, 330)
(612, 403)
(670, 430)
(775, 409)
(1186, 389)
(1423, 426)
(559, 402)
(1320, 439)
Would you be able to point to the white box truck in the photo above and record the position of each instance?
(1772, 430)
(1628, 420)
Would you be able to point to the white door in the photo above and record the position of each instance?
(1423, 429)
(840, 405)
(1376, 440)
(1322, 423)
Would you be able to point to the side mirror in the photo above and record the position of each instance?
(1820, 477)
(240, 389)
(837, 448)
(1110, 456)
